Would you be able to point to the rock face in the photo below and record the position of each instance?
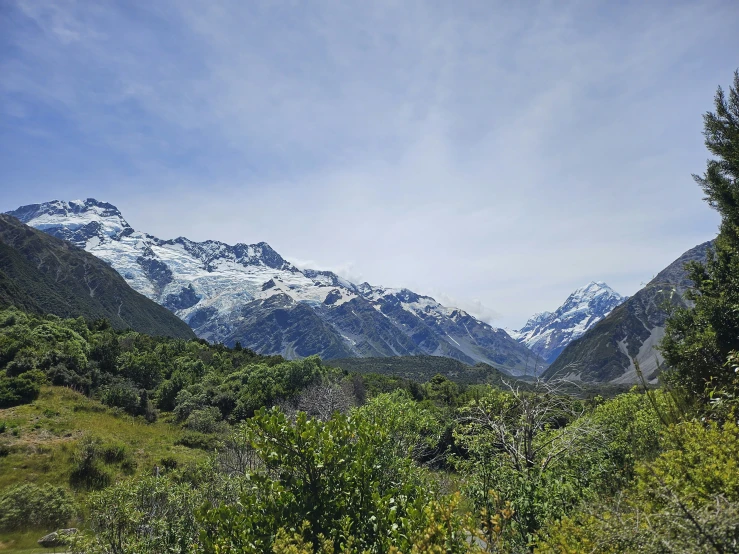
(549, 333)
(248, 293)
(57, 538)
(632, 330)
(46, 275)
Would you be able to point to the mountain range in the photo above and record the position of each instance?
(249, 294)
(549, 333)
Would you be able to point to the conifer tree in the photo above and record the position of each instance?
(698, 340)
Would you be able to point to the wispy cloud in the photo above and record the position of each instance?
(499, 153)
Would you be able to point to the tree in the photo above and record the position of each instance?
(517, 444)
(699, 340)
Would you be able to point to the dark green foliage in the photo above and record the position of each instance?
(42, 274)
(699, 340)
(32, 506)
(88, 470)
(121, 395)
(21, 389)
(136, 372)
(195, 439)
(422, 368)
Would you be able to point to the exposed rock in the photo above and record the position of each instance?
(57, 538)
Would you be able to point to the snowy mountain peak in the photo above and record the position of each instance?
(77, 221)
(548, 333)
(592, 289)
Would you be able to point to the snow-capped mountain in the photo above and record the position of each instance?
(548, 333)
(248, 293)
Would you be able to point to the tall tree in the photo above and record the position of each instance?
(698, 340)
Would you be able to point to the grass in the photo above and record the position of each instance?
(39, 440)
(23, 542)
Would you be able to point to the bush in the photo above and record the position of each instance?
(147, 515)
(193, 439)
(207, 420)
(122, 395)
(687, 498)
(341, 485)
(88, 472)
(22, 389)
(114, 453)
(29, 505)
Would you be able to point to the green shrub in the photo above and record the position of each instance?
(194, 439)
(338, 482)
(121, 395)
(207, 420)
(22, 389)
(114, 453)
(88, 471)
(30, 505)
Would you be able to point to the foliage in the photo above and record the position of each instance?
(88, 471)
(206, 420)
(699, 340)
(30, 505)
(687, 500)
(154, 514)
(139, 373)
(623, 432)
(517, 443)
(337, 481)
(420, 369)
(413, 429)
(21, 389)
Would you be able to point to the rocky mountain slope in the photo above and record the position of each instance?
(248, 293)
(46, 275)
(632, 330)
(549, 333)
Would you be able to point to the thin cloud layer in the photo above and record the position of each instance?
(500, 154)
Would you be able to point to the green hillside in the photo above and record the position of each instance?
(45, 275)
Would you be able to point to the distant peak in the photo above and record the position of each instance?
(594, 287)
(73, 212)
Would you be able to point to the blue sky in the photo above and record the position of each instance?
(496, 155)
